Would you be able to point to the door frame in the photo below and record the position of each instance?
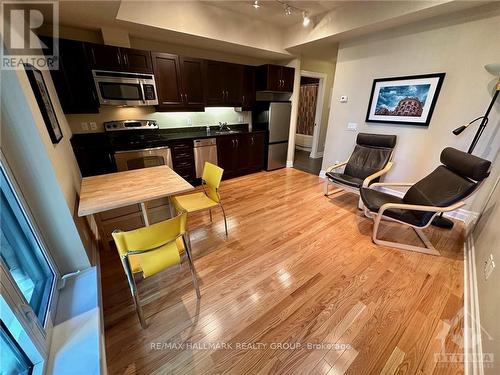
(319, 110)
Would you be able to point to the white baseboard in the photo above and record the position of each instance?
(317, 155)
(303, 148)
(289, 164)
(473, 347)
(322, 173)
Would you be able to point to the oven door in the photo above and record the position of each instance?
(149, 157)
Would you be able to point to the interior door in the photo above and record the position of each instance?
(168, 79)
(192, 81)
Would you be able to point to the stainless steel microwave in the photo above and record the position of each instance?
(125, 89)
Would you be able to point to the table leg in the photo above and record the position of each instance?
(145, 214)
(171, 207)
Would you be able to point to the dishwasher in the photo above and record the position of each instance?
(204, 150)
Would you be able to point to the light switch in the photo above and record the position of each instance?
(84, 125)
(353, 126)
(343, 99)
(489, 266)
(93, 125)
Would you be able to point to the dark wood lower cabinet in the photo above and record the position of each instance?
(241, 154)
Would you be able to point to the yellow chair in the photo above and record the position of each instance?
(152, 249)
(207, 199)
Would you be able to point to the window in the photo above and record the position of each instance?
(22, 254)
(28, 280)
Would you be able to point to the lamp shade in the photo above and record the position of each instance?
(493, 69)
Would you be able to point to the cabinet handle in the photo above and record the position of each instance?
(252, 141)
(125, 59)
(237, 143)
(118, 58)
(186, 96)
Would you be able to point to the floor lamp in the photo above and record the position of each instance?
(494, 69)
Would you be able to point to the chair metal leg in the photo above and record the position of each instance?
(133, 291)
(428, 249)
(187, 245)
(210, 212)
(224, 214)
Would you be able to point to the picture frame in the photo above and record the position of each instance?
(407, 100)
(42, 96)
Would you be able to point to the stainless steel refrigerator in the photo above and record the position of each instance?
(276, 115)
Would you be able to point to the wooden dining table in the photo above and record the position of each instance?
(138, 186)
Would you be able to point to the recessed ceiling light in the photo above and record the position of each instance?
(306, 20)
(256, 4)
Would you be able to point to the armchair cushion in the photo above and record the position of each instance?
(365, 161)
(466, 165)
(345, 179)
(374, 199)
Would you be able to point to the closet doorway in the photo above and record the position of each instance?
(309, 124)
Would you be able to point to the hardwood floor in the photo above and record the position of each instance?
(297, 287)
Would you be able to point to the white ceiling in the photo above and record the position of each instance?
(273, 11)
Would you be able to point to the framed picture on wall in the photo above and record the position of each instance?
(406, 100)
(44, 103)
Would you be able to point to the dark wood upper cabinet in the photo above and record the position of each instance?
(167, 72)
(223, 84)
(179, 82)
(73, 80)
(104, 57)
(122, 59)
(248, 94)
(136, 60)
(214, 83)
(192, 82)
(275, 78)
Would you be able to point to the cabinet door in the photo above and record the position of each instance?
(227, 157)
(274, 77)
(256, 147)
(73, 80)
(168, 79)
(233, 80)
(248, 95)
(136, 60)
(104, 57)
(192, 82)
(287, 78)
(214, 83)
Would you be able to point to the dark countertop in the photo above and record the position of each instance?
(117, 140)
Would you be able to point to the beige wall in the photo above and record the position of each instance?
(459, 46)
(327, 67)
(486, 242)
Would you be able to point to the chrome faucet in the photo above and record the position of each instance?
(223, 126)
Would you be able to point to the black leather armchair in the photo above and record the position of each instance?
(370, 159)
(442, 190)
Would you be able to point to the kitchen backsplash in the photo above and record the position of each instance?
(83, 123)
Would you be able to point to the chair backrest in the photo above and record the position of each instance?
(371, 154)
(212, 175)
(454, 180)
(151, 237)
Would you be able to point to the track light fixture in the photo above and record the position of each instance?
(288, 9)
(306, 20)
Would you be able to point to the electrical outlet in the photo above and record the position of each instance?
(93, 125)
(84, 125)
(352, 126)
(489, 266)
(189, 121)
(343, 99)
(240, 118)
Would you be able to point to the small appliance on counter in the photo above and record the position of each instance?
(274, 117)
